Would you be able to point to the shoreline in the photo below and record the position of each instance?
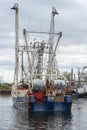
(5, 91)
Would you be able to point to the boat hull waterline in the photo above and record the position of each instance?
(29, 104)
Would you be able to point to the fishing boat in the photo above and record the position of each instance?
(41, 87)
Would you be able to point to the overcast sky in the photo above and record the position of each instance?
(35, 15)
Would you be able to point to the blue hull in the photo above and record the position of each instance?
(29, 104)
(53, 106)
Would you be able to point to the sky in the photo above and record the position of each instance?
(35, 15)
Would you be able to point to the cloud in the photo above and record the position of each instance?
(72, 56)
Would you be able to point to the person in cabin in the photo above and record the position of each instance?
(47, 88)
(30, 90)
(47, 84)
(51, 88)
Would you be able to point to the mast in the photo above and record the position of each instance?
(15, 7)
(51, 36)
(22, 66)
(52, 24)
(51, 41)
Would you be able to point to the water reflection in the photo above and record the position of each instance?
(43, 120)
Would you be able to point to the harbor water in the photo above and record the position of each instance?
(13, 119)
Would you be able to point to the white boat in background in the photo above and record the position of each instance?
(82, 87)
